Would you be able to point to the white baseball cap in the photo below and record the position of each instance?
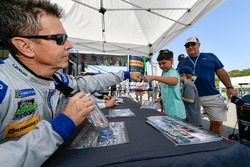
(192, 39)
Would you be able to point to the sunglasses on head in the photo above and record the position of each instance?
(187, 45)
(59, 38)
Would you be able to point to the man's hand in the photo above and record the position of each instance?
(231, 92)
(78, 107)
(136, 76)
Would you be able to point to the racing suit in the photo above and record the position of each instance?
(28, 106)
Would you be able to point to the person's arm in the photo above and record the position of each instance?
(167, 80)
(33, 148)
(187, 100)
(102, 81)
(225, 79)
(188, 94)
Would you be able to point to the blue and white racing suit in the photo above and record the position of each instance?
(31, 126)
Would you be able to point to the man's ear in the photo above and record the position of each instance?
(24, 46)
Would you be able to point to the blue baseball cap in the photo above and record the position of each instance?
(186, 70)
(181, 56)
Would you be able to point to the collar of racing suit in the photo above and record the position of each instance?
(25, 72)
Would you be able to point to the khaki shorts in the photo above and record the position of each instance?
(215, 107)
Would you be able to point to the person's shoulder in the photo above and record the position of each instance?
(2, 66)
(207, 54)
(183, 62)
(170, 72)
(4, 72)
(1, 61)
(4, 83)
(164, 73)
(173, 71)
(190, 85)
(189, 82)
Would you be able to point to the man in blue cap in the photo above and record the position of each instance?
(180, 57)
(190, 96)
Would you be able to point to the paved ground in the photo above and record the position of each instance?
(229, 125)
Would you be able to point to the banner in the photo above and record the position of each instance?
(137, 64)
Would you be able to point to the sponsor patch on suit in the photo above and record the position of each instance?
(14, 130)
(25, 108)
(24, 93)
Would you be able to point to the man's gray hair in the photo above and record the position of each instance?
(22, 17)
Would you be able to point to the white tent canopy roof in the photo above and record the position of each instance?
(132, 27)
(237, 81)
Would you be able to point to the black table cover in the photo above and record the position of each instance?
(147, 147)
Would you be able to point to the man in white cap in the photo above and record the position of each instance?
(204, 66)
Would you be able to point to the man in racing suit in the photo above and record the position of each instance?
(35, 116)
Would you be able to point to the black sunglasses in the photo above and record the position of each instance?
(59, 38)
(187, 45)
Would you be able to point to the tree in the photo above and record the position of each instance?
(234, 73)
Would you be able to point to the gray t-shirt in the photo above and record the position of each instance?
(193, 111)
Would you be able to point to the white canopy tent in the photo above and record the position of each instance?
(242, 84)
(130, 27)
(237, 82)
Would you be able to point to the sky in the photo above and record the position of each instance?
(225, 31)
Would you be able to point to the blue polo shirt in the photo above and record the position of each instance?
(205, 67)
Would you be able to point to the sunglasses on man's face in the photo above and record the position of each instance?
(59, 38)
(190, 44)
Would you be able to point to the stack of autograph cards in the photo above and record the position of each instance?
(181, 133)
(151, 105)
(120, 113)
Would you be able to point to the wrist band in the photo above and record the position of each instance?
(230, 87)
